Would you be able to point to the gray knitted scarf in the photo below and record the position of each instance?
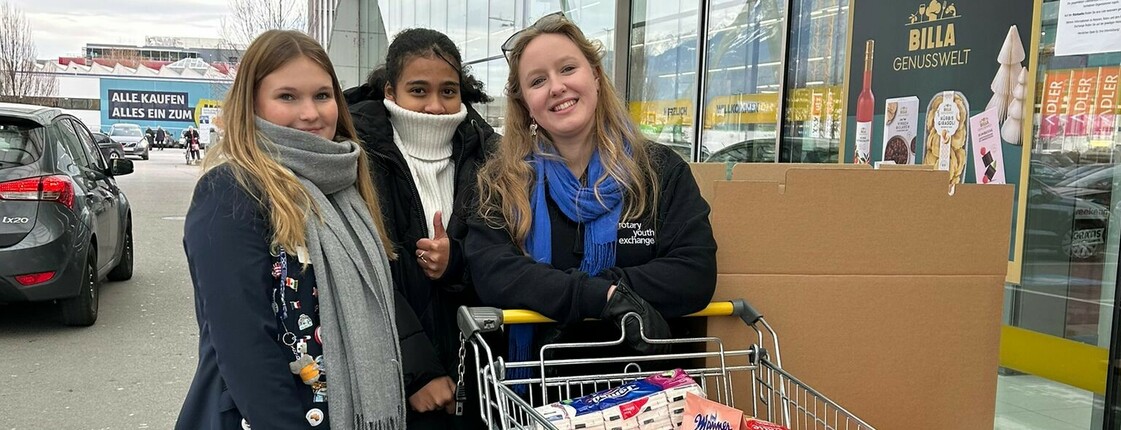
(360, 347)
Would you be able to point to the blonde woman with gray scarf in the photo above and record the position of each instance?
(295, 311)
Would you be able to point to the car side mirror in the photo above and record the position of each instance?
(120, 166)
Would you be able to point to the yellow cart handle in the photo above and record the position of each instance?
(486, 319)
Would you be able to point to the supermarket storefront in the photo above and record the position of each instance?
(778, 81)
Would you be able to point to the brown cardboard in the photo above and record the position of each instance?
(884, 289)
(861, 222)
(706, 175)
(775, 172)
(900, 352)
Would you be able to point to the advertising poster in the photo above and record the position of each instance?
(172, 105)
(207, 113)
(959, 58)
(1105, 104)
(1079, 107)
(1084, 85)
(153, 105)
(1053, 120)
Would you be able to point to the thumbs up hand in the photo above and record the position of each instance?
(433, 254)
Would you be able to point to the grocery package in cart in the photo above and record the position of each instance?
(639, 397)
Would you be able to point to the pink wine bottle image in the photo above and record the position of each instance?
(865, 110)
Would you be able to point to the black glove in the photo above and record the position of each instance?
(624, 301)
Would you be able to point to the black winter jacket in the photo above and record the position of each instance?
(668, 260)
(426, 323)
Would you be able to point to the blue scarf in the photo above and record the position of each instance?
(578, 203)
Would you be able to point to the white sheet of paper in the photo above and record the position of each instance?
(985, 130)
(1088, 27)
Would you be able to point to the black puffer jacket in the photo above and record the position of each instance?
(429, 350)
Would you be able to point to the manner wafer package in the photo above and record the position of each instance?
(705, 414)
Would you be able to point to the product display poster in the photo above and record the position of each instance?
(1088, 27)
(988, 156)
(958, 58)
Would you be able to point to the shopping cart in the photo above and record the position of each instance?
(777, 396)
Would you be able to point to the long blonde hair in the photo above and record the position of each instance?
(506, 180)
(276, 189)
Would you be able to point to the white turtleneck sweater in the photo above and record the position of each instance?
(425, 140)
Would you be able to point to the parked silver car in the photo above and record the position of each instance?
(131, 137)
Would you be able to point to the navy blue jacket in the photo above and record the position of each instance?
(243, 370)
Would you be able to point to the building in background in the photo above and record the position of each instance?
(321, 18)
(767, 81)
(164, 48)
(103, 92)
(150, 53)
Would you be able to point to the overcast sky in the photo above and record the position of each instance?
(63, 27)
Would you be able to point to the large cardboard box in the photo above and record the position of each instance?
(885, 290)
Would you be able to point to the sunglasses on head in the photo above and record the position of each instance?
(551, 18)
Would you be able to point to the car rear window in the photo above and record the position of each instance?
(21, 143)
(125, 131)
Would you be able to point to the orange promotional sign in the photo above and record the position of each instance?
(1104, 118)
(1083, 88)
(1054, 91)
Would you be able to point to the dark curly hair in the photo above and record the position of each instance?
(423, 42)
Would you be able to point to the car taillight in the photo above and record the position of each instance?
(58, 188)
(34, 278)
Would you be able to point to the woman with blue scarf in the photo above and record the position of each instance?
(579, 216)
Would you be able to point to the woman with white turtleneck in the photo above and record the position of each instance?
(425, 144)
(425, 141)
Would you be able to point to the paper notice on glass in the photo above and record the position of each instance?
(1088, 27)
(988, 158)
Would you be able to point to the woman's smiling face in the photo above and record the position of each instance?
(299, 95)
(559, 87)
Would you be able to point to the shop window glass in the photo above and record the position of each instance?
(457, 25)
(494, 82)
(502, 24)
(439, 11)
(1068, 279)
(744, 68)
(662, 86)
(477, 26)
(408, 17)
(815, 76)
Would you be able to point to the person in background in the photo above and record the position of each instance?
(288, 258)
(150, 137)
(193, 144)
(214, 136)
(161, 138)
(579, 216)
(426, 142)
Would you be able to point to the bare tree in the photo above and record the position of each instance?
(18, 76)
(250, 18)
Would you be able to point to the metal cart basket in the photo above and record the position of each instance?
(777, 396)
